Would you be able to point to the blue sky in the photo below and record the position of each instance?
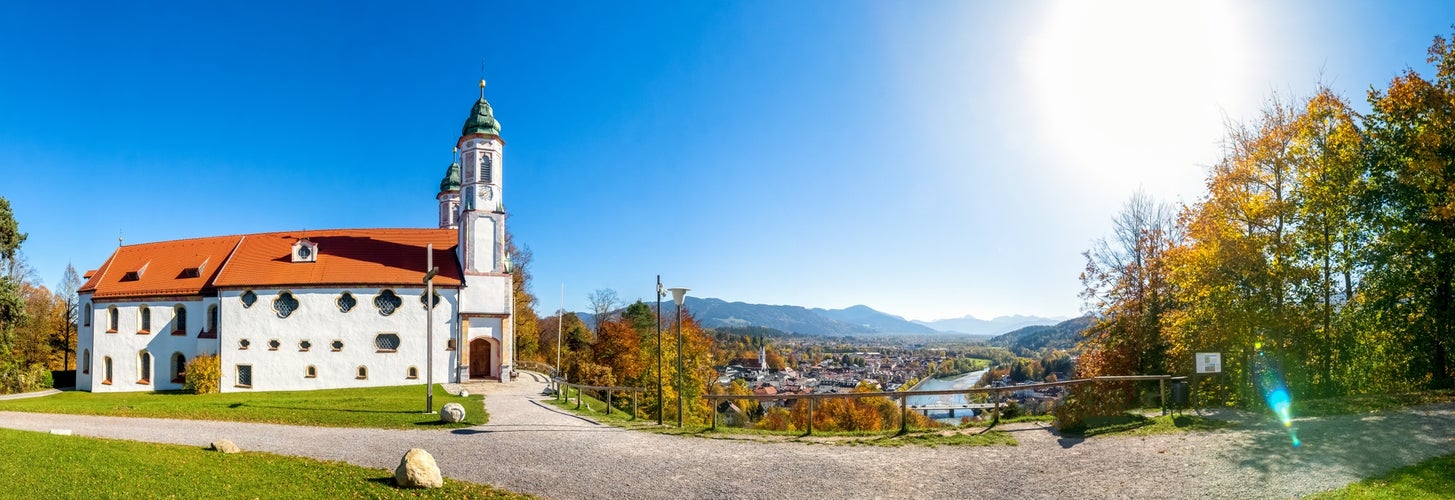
(928, 159)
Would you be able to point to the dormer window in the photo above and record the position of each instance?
(305, 251)
(137, 274)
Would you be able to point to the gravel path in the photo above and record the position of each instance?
(531, 447)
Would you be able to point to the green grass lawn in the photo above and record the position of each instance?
(1345, 405)
(383, 407)
(1138, 425)
(40, 465)
(1428, 479)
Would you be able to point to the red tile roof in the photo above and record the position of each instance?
(346, 257)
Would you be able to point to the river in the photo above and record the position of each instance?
(965, 381)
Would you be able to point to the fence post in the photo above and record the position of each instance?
(608, 402)
(810, 416)
(996, 419)
(904, 413)
(634, 405)
(1162, 394)
(578, 398)
(714, 413)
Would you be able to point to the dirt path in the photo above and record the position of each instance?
(532, 447)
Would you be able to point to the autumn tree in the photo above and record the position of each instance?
(12, 304)
(526, 325)
(1412, 178)
(1126, 288)
(70, 312)
(602, 301)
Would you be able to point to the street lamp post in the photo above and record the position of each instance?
(660, 403)
(677, 295)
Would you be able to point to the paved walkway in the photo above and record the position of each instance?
(25, 395)
(531, 447)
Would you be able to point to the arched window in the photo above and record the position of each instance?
(179, 368)
(310, 372)
(85, 361)
(146, 319)
(144, 360)
(112, 318)
(248, 298)
(363, 372)
(412, 373)
(88, 314)
(106, 367)
(181, 314)
(212, 320)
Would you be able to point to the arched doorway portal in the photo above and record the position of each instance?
(480, 359)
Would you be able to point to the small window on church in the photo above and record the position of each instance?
(310, 372)
(450, 345)
(146, 319)
(346, 302)
(106, 370)
(387, 342)
(285, 304)
(274, 344)
(485, 167)
(304, 345)
(88, 314)
(424, 302)
(245, 376)
(363, 373)
(248, 298)
(242, 345)
(112, 317)
(387, 301)
(86, 363)
(413, 373)
(337, 345)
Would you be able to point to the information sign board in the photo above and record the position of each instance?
(1209, 362)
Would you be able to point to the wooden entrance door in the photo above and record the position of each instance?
(479, 358)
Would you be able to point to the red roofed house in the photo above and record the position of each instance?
(301, 310)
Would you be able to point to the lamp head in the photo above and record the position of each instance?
(678, 294)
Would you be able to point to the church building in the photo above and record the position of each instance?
(315, 309)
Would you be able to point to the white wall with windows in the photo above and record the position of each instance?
(116, 332)
(320, 338)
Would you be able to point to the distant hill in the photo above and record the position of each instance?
(717, 312)
(1063, 335)
(976, 326)
(854, 320)
(878, 321)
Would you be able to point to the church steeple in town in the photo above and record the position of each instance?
(449, 195)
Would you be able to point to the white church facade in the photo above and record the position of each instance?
(316, 309)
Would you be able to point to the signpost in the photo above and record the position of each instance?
(1209, 362)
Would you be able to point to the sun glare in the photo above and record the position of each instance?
(1133, 91)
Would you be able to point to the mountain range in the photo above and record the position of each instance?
(1063, 335)
(853, 320)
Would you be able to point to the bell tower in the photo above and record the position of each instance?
(486, 300)
(482, 221)
(449, 197)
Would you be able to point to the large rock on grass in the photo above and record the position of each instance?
(225, 446)
(418, 470)
(452, 413)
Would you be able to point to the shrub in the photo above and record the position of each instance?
(204, 375)
(46, 379)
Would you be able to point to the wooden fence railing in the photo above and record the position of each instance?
(995, 393)
(564, 389)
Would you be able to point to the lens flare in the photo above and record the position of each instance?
(1275, 391)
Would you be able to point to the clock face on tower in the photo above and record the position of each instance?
(485, 194)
